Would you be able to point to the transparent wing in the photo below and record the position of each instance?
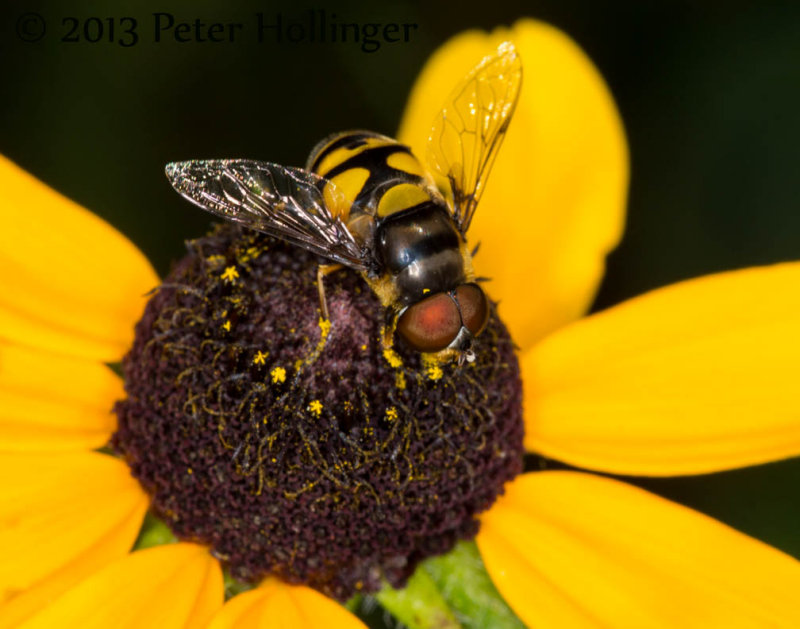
(288, 203)
(469, 130)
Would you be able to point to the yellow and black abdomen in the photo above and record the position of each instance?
(377, 175)
(396, 210)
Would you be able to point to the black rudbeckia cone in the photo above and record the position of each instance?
(305, 452)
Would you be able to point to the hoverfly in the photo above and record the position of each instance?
(364, 201)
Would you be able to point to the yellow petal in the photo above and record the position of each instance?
(568, 549)
(71, 283)
(554, 204)
(52, 402)
(170, 587)
(113, 545)
(277, 605)
(63, 514)
(695, 377)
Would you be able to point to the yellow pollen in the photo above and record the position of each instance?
(315, 407)
(250, 253)
(216, 261)
(278, 375)
(227, 326)
(324, 327)
(434, 372)
(230, 274)
(260, 358)
(425, 291)
(189, 470)
(392, 358)
(364, 347)
(391, 413)
(400, 380)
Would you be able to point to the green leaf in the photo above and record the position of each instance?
(466, 586)
(153, 533)
(233, 587)
(419, 605)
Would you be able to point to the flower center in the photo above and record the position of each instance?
(302, 449)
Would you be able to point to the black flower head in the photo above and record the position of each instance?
(304, 449)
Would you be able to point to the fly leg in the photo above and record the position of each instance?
(322, 271)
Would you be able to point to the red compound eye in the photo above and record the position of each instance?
(474, 307)
(431, 324)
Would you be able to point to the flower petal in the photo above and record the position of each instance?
(62, 515)
(555, 204)
(114, 544)
(277, 605)
(170, 587)
(71, 283)
(52, 402)
(696, 377)
(568, 549)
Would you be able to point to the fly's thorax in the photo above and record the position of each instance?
(420, 249)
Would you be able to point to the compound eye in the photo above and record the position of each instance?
(474, 307)
(430, 325)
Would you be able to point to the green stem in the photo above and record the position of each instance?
(419, 605)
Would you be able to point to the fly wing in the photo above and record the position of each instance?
(470, 128)
(287, 203)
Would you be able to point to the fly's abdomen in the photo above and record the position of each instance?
(377, 175)
(396, 211)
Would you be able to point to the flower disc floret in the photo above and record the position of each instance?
(300, 447)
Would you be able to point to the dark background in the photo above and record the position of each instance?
(710, 97)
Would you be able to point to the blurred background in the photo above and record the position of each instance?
(709, 94)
